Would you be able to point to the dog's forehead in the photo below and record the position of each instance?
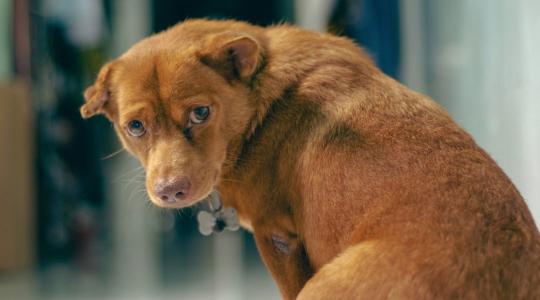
(161, 75)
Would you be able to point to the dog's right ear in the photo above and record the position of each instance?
(97, 95)
(234, 55)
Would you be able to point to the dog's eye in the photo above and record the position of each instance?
(136, 128)
(199, 114)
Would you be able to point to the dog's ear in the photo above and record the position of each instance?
(97, 95)
(235, 56)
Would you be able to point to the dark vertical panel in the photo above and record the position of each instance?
(374, 24)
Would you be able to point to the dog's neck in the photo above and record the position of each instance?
(284, 63)
(288, 62)
(288, 59)
(276, 76)
(282, 67)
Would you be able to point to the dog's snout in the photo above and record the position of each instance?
(172, 190)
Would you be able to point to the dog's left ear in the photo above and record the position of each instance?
(235, 57)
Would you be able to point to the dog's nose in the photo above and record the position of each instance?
(172, 190)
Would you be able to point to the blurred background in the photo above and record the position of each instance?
(75, 222)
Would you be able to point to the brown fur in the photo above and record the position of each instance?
(354, 186)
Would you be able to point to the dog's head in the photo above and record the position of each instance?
(177, 100)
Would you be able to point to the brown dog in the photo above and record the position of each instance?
(354, 186)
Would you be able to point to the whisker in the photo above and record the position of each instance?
(113, 154)
(137, 169)
(182, 212)
(132, 180)
(135, 180)
(135, 192)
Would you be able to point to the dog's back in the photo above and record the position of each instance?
(432, 216)
(414, 206)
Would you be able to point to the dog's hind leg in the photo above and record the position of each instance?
(367, 270)
(425, 269)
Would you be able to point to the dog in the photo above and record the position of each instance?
(354, 186)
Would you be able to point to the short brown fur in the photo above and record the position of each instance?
(370, 189)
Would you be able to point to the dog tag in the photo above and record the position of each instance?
(229, 218)
(206, 222)
(218, 218)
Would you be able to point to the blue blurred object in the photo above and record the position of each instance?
(374, 24)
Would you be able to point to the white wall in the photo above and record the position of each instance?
(5, 39)
(481, 60)
(313, 14)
